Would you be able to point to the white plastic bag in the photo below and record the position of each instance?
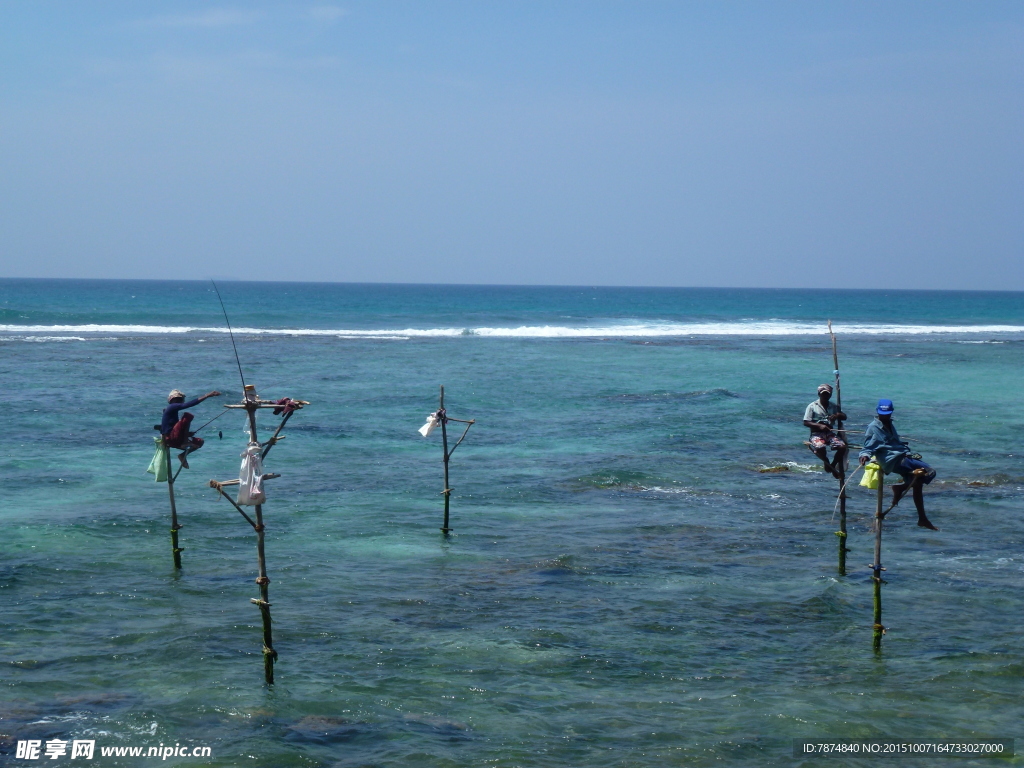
(432, 423)
(250, 478)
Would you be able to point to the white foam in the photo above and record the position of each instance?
(751, 328)
(621, 330)
(181, 329)
(45, 338)
(790, 465)
(662, 489)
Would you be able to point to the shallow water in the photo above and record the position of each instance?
(624, 586)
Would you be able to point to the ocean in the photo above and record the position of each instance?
(624, 585)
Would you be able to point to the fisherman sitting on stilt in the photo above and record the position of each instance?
(819, 417)
(883, 442)
(174, 426)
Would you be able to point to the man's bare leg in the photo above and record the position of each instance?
(188, 449)
(922, 518)
(822, 453)
(897, 492)
(839, 460)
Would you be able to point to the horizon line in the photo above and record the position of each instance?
(583, 286)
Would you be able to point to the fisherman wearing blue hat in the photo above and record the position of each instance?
(883, 442)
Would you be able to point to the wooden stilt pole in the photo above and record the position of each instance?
(444, 441)
(251, 403)
(876, 568)
(175, 549)
(269, 654)
(841, 533)
(444, 418)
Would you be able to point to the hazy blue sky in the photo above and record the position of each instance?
(632, 143)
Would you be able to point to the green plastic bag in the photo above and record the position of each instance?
(872, 475)
(158, 466)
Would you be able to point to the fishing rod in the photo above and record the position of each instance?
(839, 391)
(231, 334)
(210, 422)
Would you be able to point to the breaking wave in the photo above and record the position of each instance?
(623, 330)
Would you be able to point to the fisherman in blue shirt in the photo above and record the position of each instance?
(883, 442)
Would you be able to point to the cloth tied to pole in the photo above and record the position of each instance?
(158, 464)
(286, 405)
(872, 475)
(250, 477)
(433, 422)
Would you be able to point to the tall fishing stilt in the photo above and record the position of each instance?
(175, 527)
(876, 568)
(251, 403)
(253, 473)
(841, 533)
(444, 443)
(269, 654)
(160, 465)
(441, 418)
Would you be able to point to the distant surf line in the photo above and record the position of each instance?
(621, 330)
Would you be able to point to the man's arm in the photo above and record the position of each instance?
(815, 426)
(200, 399)
(872, 441)
(809, 421)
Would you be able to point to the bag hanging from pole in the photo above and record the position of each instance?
(872, 475)
(158, 465)
(250, 478)
(432, 423)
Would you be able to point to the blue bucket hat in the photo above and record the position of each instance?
(884, 408)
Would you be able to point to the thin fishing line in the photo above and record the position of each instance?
(231, 334)
(841, 490)
(213, 419)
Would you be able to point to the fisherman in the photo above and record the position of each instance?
(174, 426)
(819, 417)
(883, 442)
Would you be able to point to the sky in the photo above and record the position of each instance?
(754, 144)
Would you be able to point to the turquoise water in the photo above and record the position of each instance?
(623, 587)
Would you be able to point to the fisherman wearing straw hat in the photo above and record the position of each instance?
(882, 441)
(819, 417)
(174, 426)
